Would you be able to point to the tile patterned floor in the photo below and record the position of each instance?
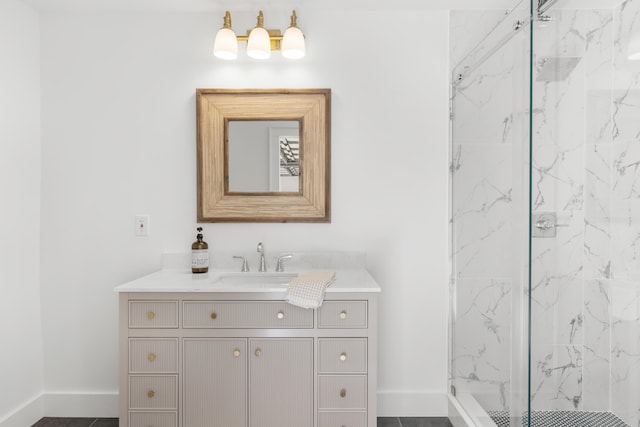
(561, 419)
(113, 422)
(413, 422)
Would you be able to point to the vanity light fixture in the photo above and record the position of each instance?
(226, 45)
(260, 41)
(633, 51)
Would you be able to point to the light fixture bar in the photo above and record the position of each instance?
(291, 43)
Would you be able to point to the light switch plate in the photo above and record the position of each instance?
(142, 225)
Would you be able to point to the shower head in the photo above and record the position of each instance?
(555, 69)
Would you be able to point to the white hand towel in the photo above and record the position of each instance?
(307, 290)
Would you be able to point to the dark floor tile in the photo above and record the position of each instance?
(425, 422)
(105, 422)
(389, 422)
(64, 422)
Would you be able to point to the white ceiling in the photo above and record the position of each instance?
(239, 5)
(251, 5)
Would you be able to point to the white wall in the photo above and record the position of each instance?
(118, 109)
(21, 370)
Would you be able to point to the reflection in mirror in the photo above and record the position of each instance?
(263, 156)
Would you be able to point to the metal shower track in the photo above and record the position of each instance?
(478, 55)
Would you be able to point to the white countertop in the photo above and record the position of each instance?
(176, 280)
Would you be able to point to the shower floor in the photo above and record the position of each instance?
(562, 419)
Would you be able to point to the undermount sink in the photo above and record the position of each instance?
(254, 279)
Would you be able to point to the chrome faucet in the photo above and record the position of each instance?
(245, 264)
(279, 263)
(263, 264)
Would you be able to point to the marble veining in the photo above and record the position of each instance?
(586, 167)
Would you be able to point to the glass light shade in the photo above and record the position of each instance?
(226, 44)
(633, 52)
(259, 44)
(292, 45)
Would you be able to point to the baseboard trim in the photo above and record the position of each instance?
(98, 405)
(421, 403)
(95, 404)
(105, 405)
(26, 415)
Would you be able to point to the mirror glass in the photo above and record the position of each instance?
(263, 156)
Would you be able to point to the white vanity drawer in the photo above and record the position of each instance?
(153, 314)
(342, 419)
(343, 314)
(153, 392)
(342, 355)
(342, 392)
(153, 419)
(153, 355)
(245, 314)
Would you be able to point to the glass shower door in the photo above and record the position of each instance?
(489, 213)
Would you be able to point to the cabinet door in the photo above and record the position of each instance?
(281, 382)
(215, 382)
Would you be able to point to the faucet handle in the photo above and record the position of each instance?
(245, 264)
(281, 259)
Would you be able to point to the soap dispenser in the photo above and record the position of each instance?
(199, 254)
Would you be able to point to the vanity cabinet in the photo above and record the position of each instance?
(272, 383)
(246, 359)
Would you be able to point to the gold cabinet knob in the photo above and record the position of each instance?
(214, 315)
(280, 315)
(343, 392)
(343, 314)
(151, 315)
(150, 394)
(343, 356)
(236, 353)
(151, 357)
(258, 352)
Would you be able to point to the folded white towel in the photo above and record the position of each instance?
(307, 290)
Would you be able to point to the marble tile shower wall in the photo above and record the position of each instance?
(586, 167)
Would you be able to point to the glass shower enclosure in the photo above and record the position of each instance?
(545, 215)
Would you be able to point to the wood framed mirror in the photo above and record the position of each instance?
(237, 181)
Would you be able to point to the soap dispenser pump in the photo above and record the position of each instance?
(199, 254)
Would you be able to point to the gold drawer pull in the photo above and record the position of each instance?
(343, 356)
(150, 394)
(236, 353)
(343, 314)
(214, 315)
(151, 315)
(151, 357)
(343, 392)
(258, 352)
(280, 315)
